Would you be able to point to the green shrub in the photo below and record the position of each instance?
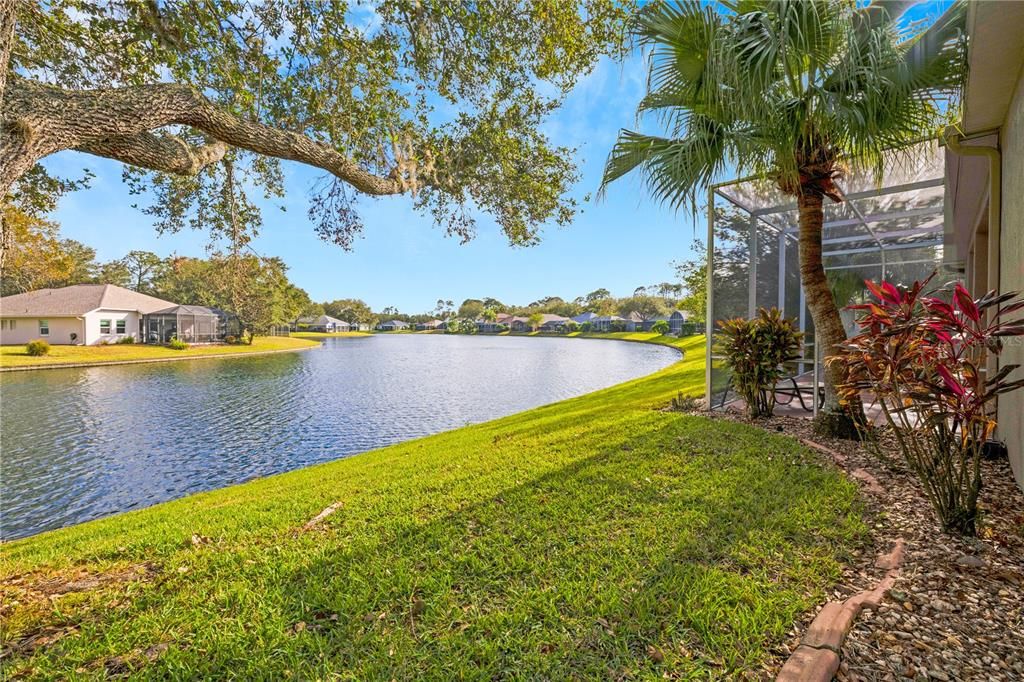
(177, 344)
(37, 348)
(660, 327)
(755, 350)
(231, 339)
(126, 340)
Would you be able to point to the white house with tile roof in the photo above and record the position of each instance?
(83, 314)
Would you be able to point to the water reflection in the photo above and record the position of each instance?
(82, 443)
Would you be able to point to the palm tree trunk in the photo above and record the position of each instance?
(833, 419)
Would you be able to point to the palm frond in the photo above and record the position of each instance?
(769, 86)
(672, 169)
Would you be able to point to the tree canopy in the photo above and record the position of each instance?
(442, 101)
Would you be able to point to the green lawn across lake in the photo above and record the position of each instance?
(597, 538)
(15, 356)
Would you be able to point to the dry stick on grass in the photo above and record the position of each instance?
(312, 523)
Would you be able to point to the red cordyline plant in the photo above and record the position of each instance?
(922, 359)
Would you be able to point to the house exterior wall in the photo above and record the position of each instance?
(93, 335)
(27, 329)
(1011, 268)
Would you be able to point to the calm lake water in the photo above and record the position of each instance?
(78, 444)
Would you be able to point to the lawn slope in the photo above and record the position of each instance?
(15, 356)
(594, 538)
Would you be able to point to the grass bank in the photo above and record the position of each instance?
(15, 356)
(595, 538)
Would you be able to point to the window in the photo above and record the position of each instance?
(12, 324)
(120, 326)
(3, 324)
(104, 326)
(44, 327)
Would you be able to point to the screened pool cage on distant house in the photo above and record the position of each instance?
(189, 323)
(891, 230)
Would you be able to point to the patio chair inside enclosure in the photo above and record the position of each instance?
(890, 230)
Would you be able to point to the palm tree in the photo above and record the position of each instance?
(796, 92)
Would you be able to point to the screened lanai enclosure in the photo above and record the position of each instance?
(189, 323)
(885, 229)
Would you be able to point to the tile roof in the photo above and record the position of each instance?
(77, 300)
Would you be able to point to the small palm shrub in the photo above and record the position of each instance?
(126, 340)
(37, 348)
(756, 350)
(922, 357)
(660, 327)
(177, 344)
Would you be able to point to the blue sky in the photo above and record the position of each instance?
(621, 242)
(624, 241)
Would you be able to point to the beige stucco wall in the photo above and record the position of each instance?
(1011, 269)
(87, 328)
(92, 325)
(27, 329)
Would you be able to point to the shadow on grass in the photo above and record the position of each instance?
(691, 548)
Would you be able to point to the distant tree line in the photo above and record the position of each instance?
(689, 294)
(255, 288)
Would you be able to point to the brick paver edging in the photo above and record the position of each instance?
(209, 356)
(817, 657)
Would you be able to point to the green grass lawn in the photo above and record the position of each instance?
(15, 356)
(596, 538)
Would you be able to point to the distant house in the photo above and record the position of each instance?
(488, 326)
(583, 318)
(649, 323)
(519, 324)
(83, 314)
(392, 326)
(676, 321)
(553, 323)
(359, 327)
(608, 323)
(428, 325)
(323, 323)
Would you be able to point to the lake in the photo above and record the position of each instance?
(78, 444)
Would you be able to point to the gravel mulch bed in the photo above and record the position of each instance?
(956, 611)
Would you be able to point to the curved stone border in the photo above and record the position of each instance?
(208, 356)
(817, 657)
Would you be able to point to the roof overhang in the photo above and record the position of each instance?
(995, 56)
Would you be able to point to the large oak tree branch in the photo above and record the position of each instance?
(164, 153)
(41, 120)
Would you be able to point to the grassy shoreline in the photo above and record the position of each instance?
(595, 536)
(15, 357)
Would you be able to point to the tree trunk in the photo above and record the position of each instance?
(8, 19)
(833, 419)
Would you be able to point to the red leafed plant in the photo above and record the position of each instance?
(922, 357)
